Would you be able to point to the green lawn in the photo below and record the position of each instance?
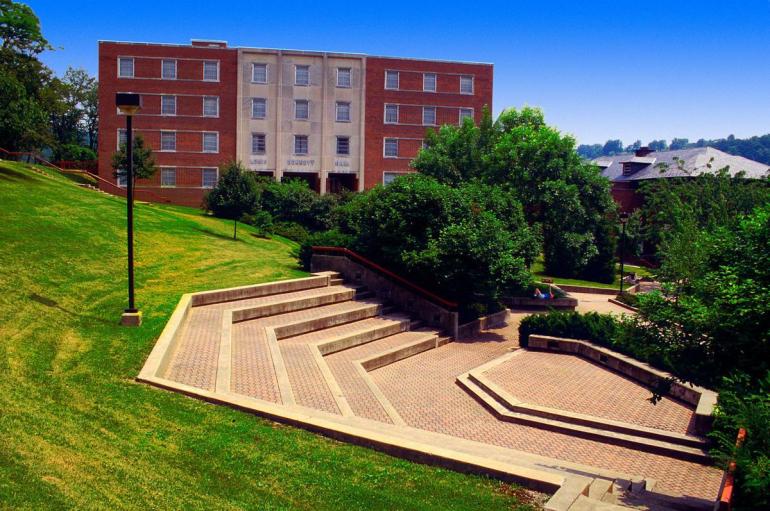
(78, 432)
(538, 270)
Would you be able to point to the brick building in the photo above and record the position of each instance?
(336, 120)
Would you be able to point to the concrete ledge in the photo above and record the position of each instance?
(363, 336)
(472, 328)
(327, 320)
(255, 291)
(622, 304)
(634, 369)
(587, 289)
(160, 356)
(393, 355)
(291, 305)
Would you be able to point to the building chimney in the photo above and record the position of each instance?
(643, 151)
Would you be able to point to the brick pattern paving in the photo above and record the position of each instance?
(263, 300)
(359, 396)
(590, 390)
(195, 362)
(423, 391)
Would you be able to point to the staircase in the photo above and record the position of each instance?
(311, 343)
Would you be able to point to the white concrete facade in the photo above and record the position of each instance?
(283, 118)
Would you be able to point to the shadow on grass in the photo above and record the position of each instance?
(42, 300)
(213, 234)
(15, 175)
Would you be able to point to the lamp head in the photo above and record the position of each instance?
(624, 217)
(128, 103)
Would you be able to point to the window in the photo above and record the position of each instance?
(343, 146)
(389, 177)
(301, 75)
(391, 147)
(211, 142)
(122, 179)
(122, 137)
(257, 143)
(301, 109)
(343, 77)
(258, 108)
(343, 111)
(391, 79)
(429, 82)
(168, 105)
(126, 67)
(209, 178)
(167, 177)
(466, 85)
(210, 106)
(429, 115)
(391, 114)
(300, 144)
(259, 73)
(168, 69)
(466, 113)
(168, 140)
(211, 71)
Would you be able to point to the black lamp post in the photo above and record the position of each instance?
(623, 221)
(129, 104)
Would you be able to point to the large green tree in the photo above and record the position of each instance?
(563, 197)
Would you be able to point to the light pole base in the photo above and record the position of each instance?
(133, 318)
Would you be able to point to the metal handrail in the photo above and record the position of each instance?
(389, 274)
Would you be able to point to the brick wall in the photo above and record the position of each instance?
(410, 97)
(189, 88)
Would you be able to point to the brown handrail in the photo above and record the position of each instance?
(384, 271)
(160, 198)
(728, 486)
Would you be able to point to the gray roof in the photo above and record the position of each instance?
(691, 162)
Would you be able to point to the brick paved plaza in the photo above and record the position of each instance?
(310, 348)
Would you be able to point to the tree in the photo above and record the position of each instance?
(23, 120)
(679, 143)
(20, 30)
(633, 147)
(234, 195)
(74, 121)
(658, 145)
(144, 162)
(612, 147)
(589, 152)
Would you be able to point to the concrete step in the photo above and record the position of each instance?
(427, 342)
(336, 282)
(320, 323)
(629, 441)
(514, 405)
(360, 332)
(584, 503)
(287, 303)
(599, 488)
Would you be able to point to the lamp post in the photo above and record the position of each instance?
(623, 221)
(129, 104)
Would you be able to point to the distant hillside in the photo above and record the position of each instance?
(754, 148)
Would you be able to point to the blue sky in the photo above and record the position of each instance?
(599, 69)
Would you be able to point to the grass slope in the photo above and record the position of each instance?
(78, 432)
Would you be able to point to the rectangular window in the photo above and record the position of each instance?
(391, 79)
(389, 177)
(343, 77)
(300, 144)
(466, 85)
(211, 142)
(168, 69)
(429, 115)
(168, 140)
(168, 105)
(391, 147)
(122, 137)
(343, 146)
(343, 111)
(259, 73)
(429, 82)
(301, 109)
(209, 178)
(391, 114)
(257, 143)
(211, 71)
(466, 113)
(167, 177)
(258, 108)
(122, 179)
(126, 67)
(301, 75)
(211, 106)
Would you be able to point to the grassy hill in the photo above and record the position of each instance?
(78, 432)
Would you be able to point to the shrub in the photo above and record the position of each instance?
(599, 328)
(331, 238)
(629, 299)
(743, 405)
(288, 201)
(234, 195)
(291, 230)
(261, 220)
